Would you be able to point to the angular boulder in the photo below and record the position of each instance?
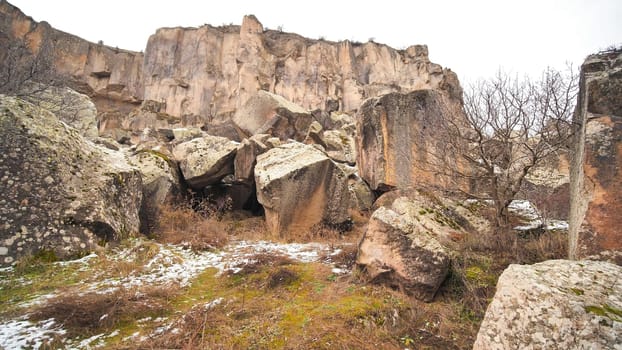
(161, 183)
(299, 187)
(397, 132)
(556, 304)
(267, 113)
(60, 192)
(247, 153)
(595, 185)
(206, 160)
(398, 252)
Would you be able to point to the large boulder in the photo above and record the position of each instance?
(267, 113)
(247, 153)
(206, 160)
(397, 132)
(299, 187)
(161, 184)
(73, 108)
(556, 304)
(595, 186)
(60, 192)
(397, 251)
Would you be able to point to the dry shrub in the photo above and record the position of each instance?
(261, 260)
(346, 257)
(92, 313)
(183, 225)
(282, 277)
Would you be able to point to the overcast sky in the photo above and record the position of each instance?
(472, 37)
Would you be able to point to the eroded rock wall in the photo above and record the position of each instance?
(35, 50)
(214, 71)
(595, 176)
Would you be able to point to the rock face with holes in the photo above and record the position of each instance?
(595, 186)
(397, 251)
(206, 160)
(556, 304)
(397, 132)
(299, 187)
(60, 192)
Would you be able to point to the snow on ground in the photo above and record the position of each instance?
(21, 334)
(530, 213)
(171, 264)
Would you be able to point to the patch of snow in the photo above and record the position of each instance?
(213, 303)
(94, 341)
(20, 334)
(338, 271)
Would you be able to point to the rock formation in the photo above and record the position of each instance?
(397, 132)
(266, 113)
(556, 304)
(36, 51)
(206, 160)
(595, 187)
(60, 192)
(204, 75)
(397, 251)
(299, 187)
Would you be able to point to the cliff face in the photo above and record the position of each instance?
(595, 187)
(213, 71)
(31, 50)
(203, 75)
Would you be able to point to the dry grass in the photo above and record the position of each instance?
(92, 313)
(183, 225)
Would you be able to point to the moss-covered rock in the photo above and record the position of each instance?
(60, 192)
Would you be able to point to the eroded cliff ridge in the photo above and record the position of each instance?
(203, 75)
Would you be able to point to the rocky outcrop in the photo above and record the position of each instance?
(397, 133)
(266, 113)
(557, 304)
(595, 186)
(36, 51)
(398, 252)
(206, 160)
(60, 192)
(338, 142)
(204, 75)
(247, 153)
(299, 187)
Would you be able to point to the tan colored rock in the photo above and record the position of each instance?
(206, 160)
(266, 113)
(222, 68)
(556, 304)
(595, 186)
(31, 50)
(60, 192)
(246, 156)
(299, 187)
(396, 252)
(395, 135)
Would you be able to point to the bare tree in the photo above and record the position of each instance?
(510, 125)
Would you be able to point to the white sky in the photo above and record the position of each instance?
(472, 37)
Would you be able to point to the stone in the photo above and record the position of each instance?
(206, 160)
(299, 187)
(267, 113)
(395, 135)
(395, 250)
(73, 108)
(361, 196)
(95, 194)
(556, 304)
(246, 156)
(595, 186)
(161, 184)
